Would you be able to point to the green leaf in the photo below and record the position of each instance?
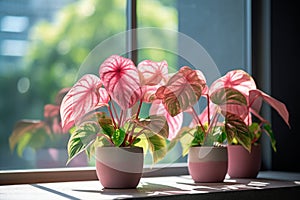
(82, 138)
(186, 142)
(199, 136)
(27, 133)
(268, 130)
(106, 124)
(137, 140)
(236, 128)
(157, 147)
(118, 137)
(155, 124)
(255, 131)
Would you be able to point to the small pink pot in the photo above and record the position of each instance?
(241, 163)
(119, 167)
(207, 163)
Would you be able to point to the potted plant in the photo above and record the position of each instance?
(45, 136)
(244, 153)
(203, 140)
(230, 101)
(106, 114)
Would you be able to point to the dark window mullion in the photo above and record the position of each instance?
(131, 42)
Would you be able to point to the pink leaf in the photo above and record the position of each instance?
(182, 91)
(152, 73)
(239, 110)
(237, 79)
(103, 96)
(121, 80)
(257, 96)
(81, 99)
(52, 118)
(157, 108)
(149, 93)
(51, 111)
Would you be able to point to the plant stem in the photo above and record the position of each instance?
(208, 110)
(115, 111)
(112, 117)
(197, 119)
(121, 123)
(139, 110)
(214, 121)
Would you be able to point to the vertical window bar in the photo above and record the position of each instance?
(131, 42)
(261, 64)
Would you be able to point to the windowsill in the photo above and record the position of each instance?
(269, 184)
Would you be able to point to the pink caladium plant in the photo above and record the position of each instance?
(234, 98)
(106, 109)
(244, 83)
(36, 134)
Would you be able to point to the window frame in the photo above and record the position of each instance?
(89, 173)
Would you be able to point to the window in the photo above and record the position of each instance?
(43, 51)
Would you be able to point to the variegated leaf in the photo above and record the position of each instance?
(182, 91)
(153, 73)
(121, 80)
(81, 99)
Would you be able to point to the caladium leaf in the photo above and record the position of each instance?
(23, 131)
(237, 79)
(149, 93)
(174, 123)
(182, 91)
(82, 138)
(51, 111)
(52, 118)
(256, 97)
(153, 73)
(103, 97)
(105, 123)
(236, 128)
(81, 99)
(157, 147)
(154, 124)
(232, 101)
(267, 128)
(121, 80)
(228, 95)
(118, 137)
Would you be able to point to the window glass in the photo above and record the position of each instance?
(42, 46)
(210, 35)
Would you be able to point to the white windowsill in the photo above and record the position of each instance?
(269, 184)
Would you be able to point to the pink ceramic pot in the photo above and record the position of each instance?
(119, 167)
(207, 163)
(241, 163)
